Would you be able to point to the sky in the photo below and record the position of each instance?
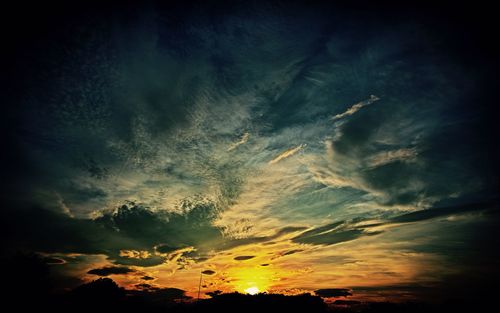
(346, 151)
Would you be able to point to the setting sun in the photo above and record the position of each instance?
(252, 290)
(251, 279)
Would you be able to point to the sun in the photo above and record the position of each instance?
(252, 290)
(250, 279)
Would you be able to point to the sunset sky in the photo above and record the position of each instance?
(280, 147)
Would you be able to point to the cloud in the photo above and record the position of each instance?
(110, 270)
(153, 260)
(244, 257)
(356, 107)
(208, 272)
(102, 290)
(164, 248)
(166, 231)
(147, 277)
(243, 140)
(334, 233)
(318, 230)
(431, 213)
(52, 260)
(135, 254)
(128, 235)
(287, 153)
(143, 286)
(344, 231)
(333, 292)
(346, 302)
(54, 232)
(292, 252)
(330, 238)
(233, 243)
(404, 154)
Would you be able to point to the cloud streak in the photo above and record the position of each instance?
(356, 107)
(243, 140)
(110, 270)
(286, 154)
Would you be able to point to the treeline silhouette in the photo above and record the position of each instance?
(104, 295)
(28, 285)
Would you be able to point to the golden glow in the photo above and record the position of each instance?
(369, 261)
(251, 280)
(252, 290)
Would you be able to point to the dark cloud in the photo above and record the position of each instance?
(166, 230)
(330, 238)
(102, 291)
(292, 252)
(286, 230)
(392, 288)
(76, 195)
(52, 260)
(131, 227)
(94, 169)
(346, 302)
(233, 243)
(318, 230)
(147, 278)
(110, 270)
(143, 286)
(97, 286)
(244, 257)
(152, 260)
(164, 248)
(265, 264)
(208, 272)
(343, 231)
(195, 256)
(444, 211)
(55, 232)
(333, 292)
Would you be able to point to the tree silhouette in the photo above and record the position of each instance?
(214, 293)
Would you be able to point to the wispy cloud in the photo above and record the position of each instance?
(356, 107)
(243, 140)
(287, 153)
(404, 154)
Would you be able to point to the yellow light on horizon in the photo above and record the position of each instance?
(252, 290)
(251, 279)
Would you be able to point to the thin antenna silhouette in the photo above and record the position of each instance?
(199, 286)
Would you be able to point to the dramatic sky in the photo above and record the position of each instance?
(280, 147)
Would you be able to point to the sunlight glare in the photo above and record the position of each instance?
(252, 290)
